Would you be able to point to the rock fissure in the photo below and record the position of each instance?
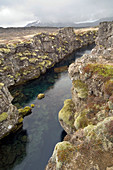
(92, 98)
(26, 60)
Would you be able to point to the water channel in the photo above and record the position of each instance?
(32, 146)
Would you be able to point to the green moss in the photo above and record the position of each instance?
(10, 76)
(36, 50)
(33, 60)
(101, 132)
(63, 153)
(40, 96)
(45, 63)
(27, 53)
(66, 113)
(32, 105)
(25, 111)
(81, 88)
(66, 42)
(59, 49)
(17, 75)
(34, 54)
(0, 61)
(108, 87)
(6, 68)
(5, 50)
(23, 58)
(20, 120)
(1, 85)
(19, 54)
(105, 71)
(43, 57)
(81, 121)
(3, 116)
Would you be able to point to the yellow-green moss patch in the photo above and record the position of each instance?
(3, 116)
(40, 96)
(23, 58)
(32, 105)
(5, 50)
(66, 113)
(33, 60)
(81, 121)
(81, 88)
(63, 153)
(105, 71)
(108, 87)
(20, 120)
(25, 111)
(1, 85)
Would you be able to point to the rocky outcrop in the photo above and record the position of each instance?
(27, 60)
(24, 61)
(9, 117)
(90, 144)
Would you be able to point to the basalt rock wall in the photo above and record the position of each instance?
(88, 116)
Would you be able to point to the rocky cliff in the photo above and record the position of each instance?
(26, 60)
(88, 116)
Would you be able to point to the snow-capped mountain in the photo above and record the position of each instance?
(88, 23)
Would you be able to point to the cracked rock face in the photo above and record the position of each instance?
(9, 116)
(92, 110)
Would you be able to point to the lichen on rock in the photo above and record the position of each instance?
(3, 116)
(62, 154)
(66, 116)
(81, 89)
(24, 111)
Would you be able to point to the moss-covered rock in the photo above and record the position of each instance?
(32, 105)
(81, 121)
(106, 71)
(5, 50)
(20, 120)
(62, 154)
(66, 116)
(24, 111)
(81, 88)
(33, 60)
(1, 85)
(3, 116)
(40, 96)
(103, 132)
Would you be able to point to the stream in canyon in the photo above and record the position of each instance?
(32, 146)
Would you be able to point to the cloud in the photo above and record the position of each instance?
(20, 12)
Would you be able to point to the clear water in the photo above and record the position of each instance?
(32, 146)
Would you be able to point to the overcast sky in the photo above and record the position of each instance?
(21, 12)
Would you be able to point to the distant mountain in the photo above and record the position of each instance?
(90, 23)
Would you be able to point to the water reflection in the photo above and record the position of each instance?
(33, 145)
(13, 150)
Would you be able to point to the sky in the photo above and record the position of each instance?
(21, 12)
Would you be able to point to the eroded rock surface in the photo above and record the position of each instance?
(92, 112)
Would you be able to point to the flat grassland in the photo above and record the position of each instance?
(15, 35)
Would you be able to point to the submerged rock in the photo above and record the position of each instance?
(41, 95)
(60, 69)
